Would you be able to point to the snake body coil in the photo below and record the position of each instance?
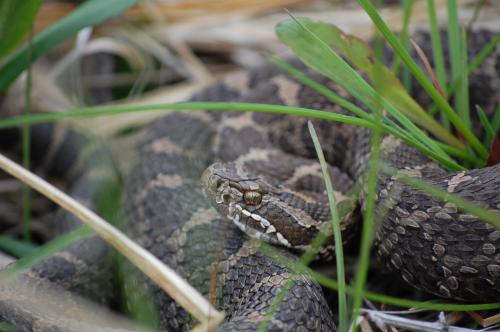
(259, 172)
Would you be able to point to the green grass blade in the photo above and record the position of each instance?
(367, 231)
(16, 18)
(488, 128)
(88, 112)
(15, 247)
(476, 62)
(437, 50)
(405, 41)
(339, 252)
(437, 55)
(43, 252)
(90, 13)
(455, 44)
(453, 29)
(404, 303)
(454, 152)
(26, 150)
(422, 79)
(495, 122)
(473, 65)
(463, 95)
(484, 53)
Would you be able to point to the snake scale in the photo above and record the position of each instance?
(259, 174)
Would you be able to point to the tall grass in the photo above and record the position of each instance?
(452, 116)
(89, 13)
(26, 145)
(335, 220)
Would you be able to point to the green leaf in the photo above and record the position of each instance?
(90, 13)
(16, 18)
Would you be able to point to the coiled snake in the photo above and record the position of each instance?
(266, 181)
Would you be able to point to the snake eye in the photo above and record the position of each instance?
(252, 197)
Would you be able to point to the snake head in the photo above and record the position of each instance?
(228, 185)
(255, 206)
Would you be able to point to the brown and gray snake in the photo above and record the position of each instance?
(259, 174)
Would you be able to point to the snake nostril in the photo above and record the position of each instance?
(216, 182)
(223, 199)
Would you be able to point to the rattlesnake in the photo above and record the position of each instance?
(267, 181)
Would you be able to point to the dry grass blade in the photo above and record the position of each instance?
(428, 68)
(382, 320)
(173, 11)
(182, 292)
(485, 322)
(364, 325)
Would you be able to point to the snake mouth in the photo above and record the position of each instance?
(255, 225)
